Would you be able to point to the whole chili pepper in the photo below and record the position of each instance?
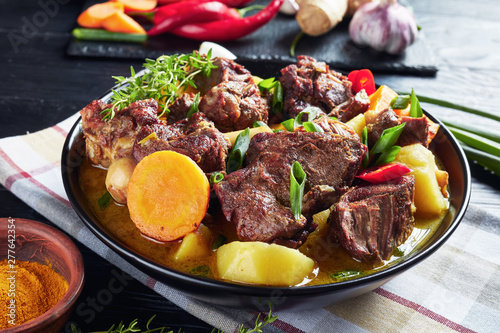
(229, 29)
(384, 173)
(166, 19)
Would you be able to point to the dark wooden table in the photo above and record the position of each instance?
(41, 85)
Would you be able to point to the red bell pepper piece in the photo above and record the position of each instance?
(362, 79)
(229, 29)
(383, 173)
(169, 17)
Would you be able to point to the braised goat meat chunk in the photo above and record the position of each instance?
(370, 221)
(195, 137)
(417, 130)
(312, 83)
(113, 139)
(234, 105)
(257, 198)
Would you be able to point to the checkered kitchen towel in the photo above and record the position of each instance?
(455, 289)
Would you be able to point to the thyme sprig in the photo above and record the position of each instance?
(132, 327)
(164, 79)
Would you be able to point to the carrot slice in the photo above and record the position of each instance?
(167, 195)
(138, 5)
(121, 22)
(93, 16)
(381, 98)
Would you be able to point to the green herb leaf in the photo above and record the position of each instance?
(163, 79)
(387, 139)
(476, 141)
(260, 123)
(346, 274)
(201, 271)
(216, 177)
(387, 156)
(288, 124)
(415, 109)
(488, 161)
(312, 127)
(364, 140)
(237, 154)
(292, 123)
(297, 183)
(400, 102)
(105, 200)
(276, 89)
(221, 240)
(194, 107)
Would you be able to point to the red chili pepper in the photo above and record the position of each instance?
(231, 3)
(384, 173)
(169, 17)
(229, 29)
(362, 79)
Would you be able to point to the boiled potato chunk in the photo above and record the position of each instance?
(429, 199)
(195, 245)
(357, 123)
(262, 263)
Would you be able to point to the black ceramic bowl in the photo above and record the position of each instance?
(257, 297)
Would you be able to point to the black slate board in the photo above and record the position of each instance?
(272, 42)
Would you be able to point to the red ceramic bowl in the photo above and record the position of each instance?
(38, 242)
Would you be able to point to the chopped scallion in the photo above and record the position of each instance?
(297, 183)
(237, 154)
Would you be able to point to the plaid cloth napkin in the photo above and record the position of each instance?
(456, 289)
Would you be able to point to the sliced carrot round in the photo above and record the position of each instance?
(93, 16)
(138, 5)
(121, 22)
(381, 98)
(167, 195)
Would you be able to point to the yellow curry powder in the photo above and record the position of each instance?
(34, 287)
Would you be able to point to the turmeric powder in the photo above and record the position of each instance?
(27, 290)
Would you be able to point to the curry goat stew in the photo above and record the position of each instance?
(330, 258)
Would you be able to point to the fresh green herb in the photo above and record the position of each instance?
(258, 324)
(387, 139)
(490, 162)
(104, 35)
(400, 102)
(260, 123)
(132, 327)
(476, 141)
(276, 89)
(216, 177)
(484, 132)
(387, 156)
(297, 183)
(200, 271)
(237, 154)
(346, 274)
(415, 109)
(104, 200)
(364, 140)
(194, 107)
(312, 127)
(162, 80)
(295, 42)
(288, 124)
(219, 241)
(292, 123)
(446, 104)
(398, 252)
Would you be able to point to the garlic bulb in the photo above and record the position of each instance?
(289, 7)
(385, 26)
